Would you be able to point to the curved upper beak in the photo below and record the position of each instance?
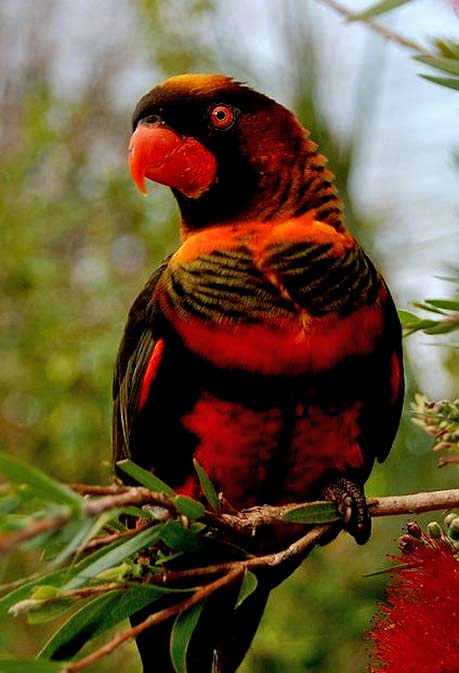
(162, 155)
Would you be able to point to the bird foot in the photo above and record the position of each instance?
(349, 499)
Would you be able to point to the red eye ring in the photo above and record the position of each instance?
(222, 116)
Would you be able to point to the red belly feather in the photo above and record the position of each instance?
(236, 446)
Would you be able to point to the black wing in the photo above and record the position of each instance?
(139, 339)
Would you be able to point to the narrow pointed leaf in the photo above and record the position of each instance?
(407, 318)
(189, 507)
(182, 631)
(443, 327)
(178, 538)
(314, 512)
(67, 540)
(248, 585)
(448, 82)
(144, 477)
(101, 614)
(450, 304)
(378, 9)
(447, 48)
(450, 65)
(39, 483)
(426, 307)
(207, 486)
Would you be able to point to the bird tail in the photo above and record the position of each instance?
(220, 640)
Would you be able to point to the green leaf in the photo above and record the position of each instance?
(101, 614)
(207, 486)
(178, 538)
(443, 327)
(314, 512)
(189, 507)
(447, 48)
(412, 323)
(378, 9)
(40, 484)
(115, 556)
(49, 611)
(450, 304)
(9, 503)
(426, 307)
(144, 477)
(28, 666)
(449, 82)
(450, 65)
(68, 539)
(248, 585)
(191, 540)
(182, 631)
(407, 318)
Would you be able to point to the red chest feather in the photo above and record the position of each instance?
(274, 299)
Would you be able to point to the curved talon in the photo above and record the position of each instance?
(351, 504)
(346, 512)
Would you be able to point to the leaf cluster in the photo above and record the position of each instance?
(104, 561)
(446, 312)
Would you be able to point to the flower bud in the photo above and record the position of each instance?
(434, 529)
(453, 530)
(413, 529)
(449, 518)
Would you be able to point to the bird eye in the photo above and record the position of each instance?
(151, 119)
(222, 116)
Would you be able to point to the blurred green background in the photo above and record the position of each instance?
(77, 243)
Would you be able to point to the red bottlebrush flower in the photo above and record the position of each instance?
(417, 629)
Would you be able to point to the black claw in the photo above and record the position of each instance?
(350, 501)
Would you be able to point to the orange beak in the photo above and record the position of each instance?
(158, 153)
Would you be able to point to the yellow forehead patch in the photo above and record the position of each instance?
(197, 82)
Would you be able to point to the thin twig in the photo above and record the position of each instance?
(31, 604)
(386, 33)
(90, 489)
(103, 540)
(414, 503)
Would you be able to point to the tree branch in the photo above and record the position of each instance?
(245, 523)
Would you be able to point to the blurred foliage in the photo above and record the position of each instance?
(77, 244)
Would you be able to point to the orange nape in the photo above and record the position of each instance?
(158, 153)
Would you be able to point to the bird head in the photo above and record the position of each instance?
(226, 151)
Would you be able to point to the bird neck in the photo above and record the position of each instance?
(283, 183)
(301, 184)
